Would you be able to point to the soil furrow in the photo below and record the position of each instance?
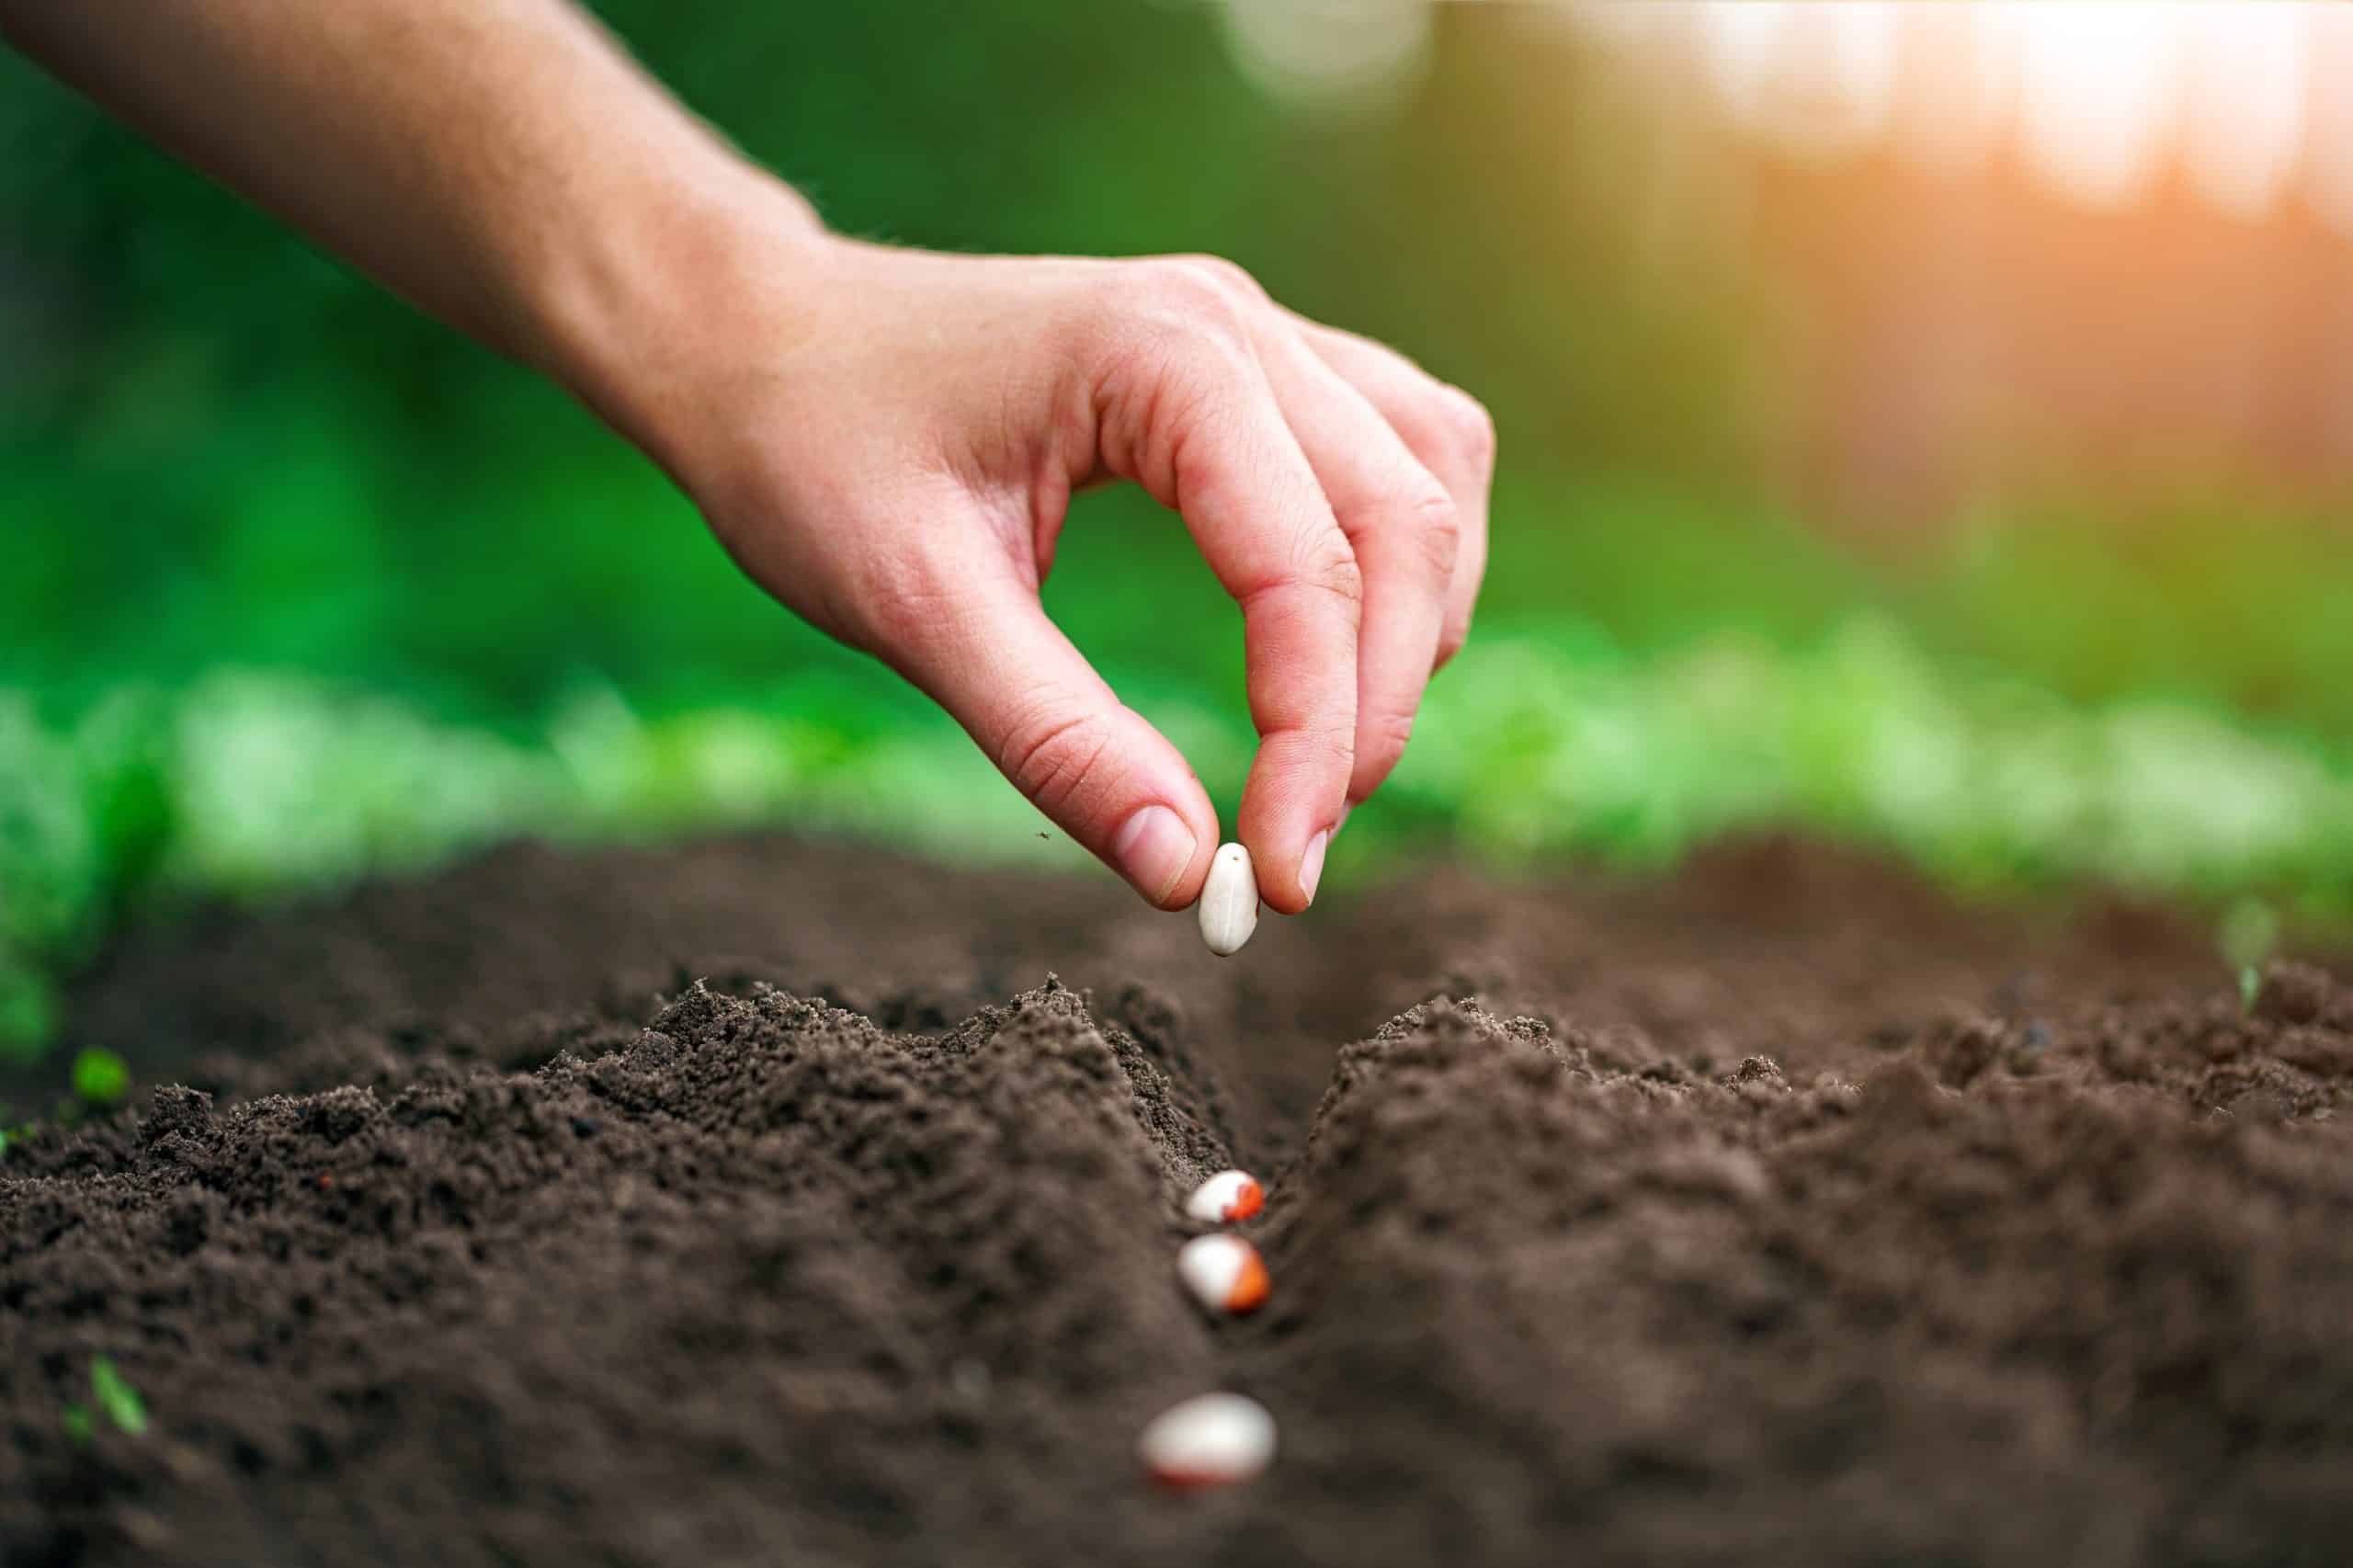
(754, 1200)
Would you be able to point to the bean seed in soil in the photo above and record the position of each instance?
(1225, 1273)
(1211, 1439)
(1227, 1196)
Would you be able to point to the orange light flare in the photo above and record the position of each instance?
(2013, 240)
(2095, 96)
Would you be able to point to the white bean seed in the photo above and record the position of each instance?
(1225, 1273)
(1229, 1195)
(1229, 906)
(1208, 1440)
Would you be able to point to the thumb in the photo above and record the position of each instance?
(1056, 729)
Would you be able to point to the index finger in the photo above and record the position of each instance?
(1216, 448)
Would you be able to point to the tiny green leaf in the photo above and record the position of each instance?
(2250, 984)
(100, 1077)
(117, 1398)
(77, 1423)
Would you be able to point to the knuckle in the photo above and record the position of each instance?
(1438, 532)
(1470, 429)
(1385, 735)
(1326, 563)
(899, 600)
(1178, 297)
(1232, 277)
(1053, 754)
(1181, 336)
(1336, 740)
(1320, 738)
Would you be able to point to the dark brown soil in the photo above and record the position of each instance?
(1782, 1211)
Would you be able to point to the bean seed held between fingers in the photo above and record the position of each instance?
(1229, 906)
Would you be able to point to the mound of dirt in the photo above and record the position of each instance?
(755, 1201)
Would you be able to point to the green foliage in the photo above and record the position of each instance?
(1546, 738)
(301, 585)
(116, 1399)
(100, 1077)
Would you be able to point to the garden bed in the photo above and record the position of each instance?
(761, 1201)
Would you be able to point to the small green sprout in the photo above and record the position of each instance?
(100, 1077)
(76, 1421)
(117, 1398)
(2249, 934)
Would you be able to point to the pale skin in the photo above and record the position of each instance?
(885, 439)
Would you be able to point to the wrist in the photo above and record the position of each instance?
(651, 322)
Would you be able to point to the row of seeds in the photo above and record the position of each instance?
(1215, 1439)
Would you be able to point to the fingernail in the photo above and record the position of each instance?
(1342, 820)
(1153, 847)
(1310, 865)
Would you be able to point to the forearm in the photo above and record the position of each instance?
(499, 163)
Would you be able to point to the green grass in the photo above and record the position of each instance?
(118, 1401)
(1548, 737)
(113, 1398)
(100, 1077)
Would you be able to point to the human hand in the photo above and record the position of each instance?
(887, 440)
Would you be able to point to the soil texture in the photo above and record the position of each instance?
(758, 1201)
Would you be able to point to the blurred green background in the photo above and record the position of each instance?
(1887, 498)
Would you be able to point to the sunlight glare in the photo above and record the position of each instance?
(2098, 88)
(2245, 121)
(2096, 97)
(1817, 79)
(1333, 54)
